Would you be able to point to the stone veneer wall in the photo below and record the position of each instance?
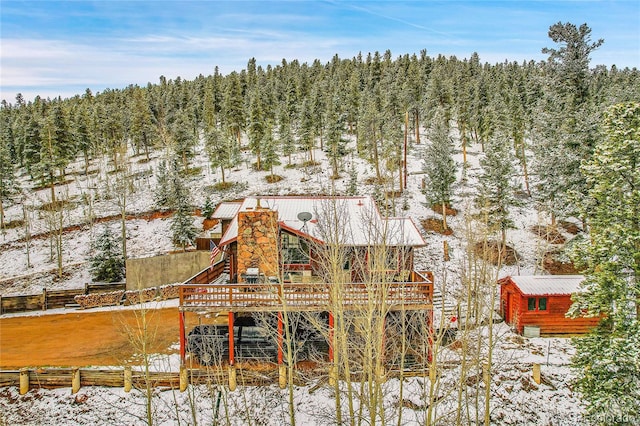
(258, 241)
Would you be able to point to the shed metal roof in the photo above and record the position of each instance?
(351, 221)
(538, 285)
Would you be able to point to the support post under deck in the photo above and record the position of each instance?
(332, 367)
(183, 339)
(282, 371)
(231, 339)
(280, 339)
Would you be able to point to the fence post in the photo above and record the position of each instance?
(86, 288)
(0, 304)
(128, 379)
(536, 373)
(44, 299)
(24, 381)
(75, 380)
(184, 382)
(233, 383)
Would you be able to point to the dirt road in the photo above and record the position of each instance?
(85, 338)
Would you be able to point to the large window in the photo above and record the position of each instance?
(294, 250)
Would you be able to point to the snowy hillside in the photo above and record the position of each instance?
(515, 398)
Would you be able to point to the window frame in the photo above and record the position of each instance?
(301, 243)
(536, 304)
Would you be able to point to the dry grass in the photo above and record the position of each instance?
(436, 225)
(494, 253)
(549, 234)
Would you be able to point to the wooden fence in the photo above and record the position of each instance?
(75, 378)
(52, 299)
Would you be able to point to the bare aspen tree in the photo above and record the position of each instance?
(142, 337)
(26, 220)
(54, 216)
(122, 186)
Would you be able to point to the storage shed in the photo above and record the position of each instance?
(540, 303)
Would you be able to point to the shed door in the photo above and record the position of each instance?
(508, 314)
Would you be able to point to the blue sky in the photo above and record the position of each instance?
(52, 48)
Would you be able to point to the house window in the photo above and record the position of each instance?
(542, 304)
(294, 250)
(537, 304)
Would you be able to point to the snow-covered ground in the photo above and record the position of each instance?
(516, 399)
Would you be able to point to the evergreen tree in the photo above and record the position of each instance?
(496, 188)
(566, 120)
(162, 193)
(7, 172)
(607, 359)
(222, 150)
(306, 133)
(143, 130)
(439, 166)
(232, 107)
(107, 263)
(183, 231)
(269, 148)
(352, 188)
(334, 123)
(208, 208)
(81, 130)
(285, 135)
(256, 128)
(55, 151)
(184, 139)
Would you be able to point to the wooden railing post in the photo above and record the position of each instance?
(44, 299)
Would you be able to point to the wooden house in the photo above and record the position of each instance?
(540, 303)
(294, 251)
(286, 235)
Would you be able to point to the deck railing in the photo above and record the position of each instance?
(306, 296)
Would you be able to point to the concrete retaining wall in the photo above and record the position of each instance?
(159, 270)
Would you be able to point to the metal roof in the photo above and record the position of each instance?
(350, 221)
(227, 210)
(538, 285)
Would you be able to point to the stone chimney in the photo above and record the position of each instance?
(258, 241)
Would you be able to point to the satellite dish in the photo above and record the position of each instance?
(305, 216)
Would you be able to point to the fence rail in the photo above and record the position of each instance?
(53, 299)
(51, 378)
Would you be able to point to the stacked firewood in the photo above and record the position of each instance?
(111, 298)
(171, 291)
(141, 296)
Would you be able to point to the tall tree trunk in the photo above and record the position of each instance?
(417, 124)
(444, 215)
(375, 155)
(463, 137)
(524, 168)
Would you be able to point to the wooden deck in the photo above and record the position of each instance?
(303, 297)
(416, 294)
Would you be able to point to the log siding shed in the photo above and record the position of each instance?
(542, 301)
